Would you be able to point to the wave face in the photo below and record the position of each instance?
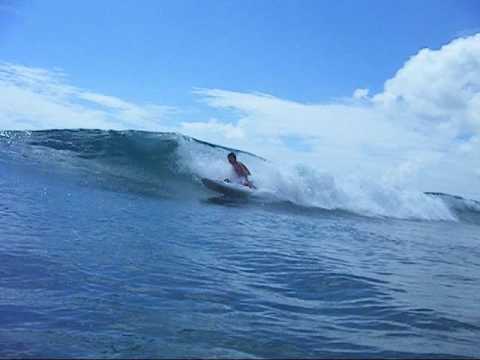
(170, 165)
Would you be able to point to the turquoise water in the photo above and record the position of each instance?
(110, 247)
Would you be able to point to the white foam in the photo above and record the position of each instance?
(306, 186)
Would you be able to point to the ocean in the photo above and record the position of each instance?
(110, 246)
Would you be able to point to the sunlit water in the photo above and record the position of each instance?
(90, 271)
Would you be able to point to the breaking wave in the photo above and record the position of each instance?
(171, 165)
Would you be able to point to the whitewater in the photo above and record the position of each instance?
(110, 246)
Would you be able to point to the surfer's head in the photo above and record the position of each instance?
(232, 158)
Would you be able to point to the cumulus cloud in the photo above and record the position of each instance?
(439, 86)
(34, 98)
(360, 93)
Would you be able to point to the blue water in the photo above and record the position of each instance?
(108, 254)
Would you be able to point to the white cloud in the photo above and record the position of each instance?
(360, 93)
(213, 126)
(439, 86)
(38, 99)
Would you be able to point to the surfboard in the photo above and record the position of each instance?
(227, 188)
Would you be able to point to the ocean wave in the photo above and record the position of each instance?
(170, 164)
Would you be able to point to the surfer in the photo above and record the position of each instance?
(241, 171)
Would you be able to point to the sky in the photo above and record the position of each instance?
(387, 89)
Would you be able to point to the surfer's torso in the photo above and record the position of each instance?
(241, 171)
(240, 174)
